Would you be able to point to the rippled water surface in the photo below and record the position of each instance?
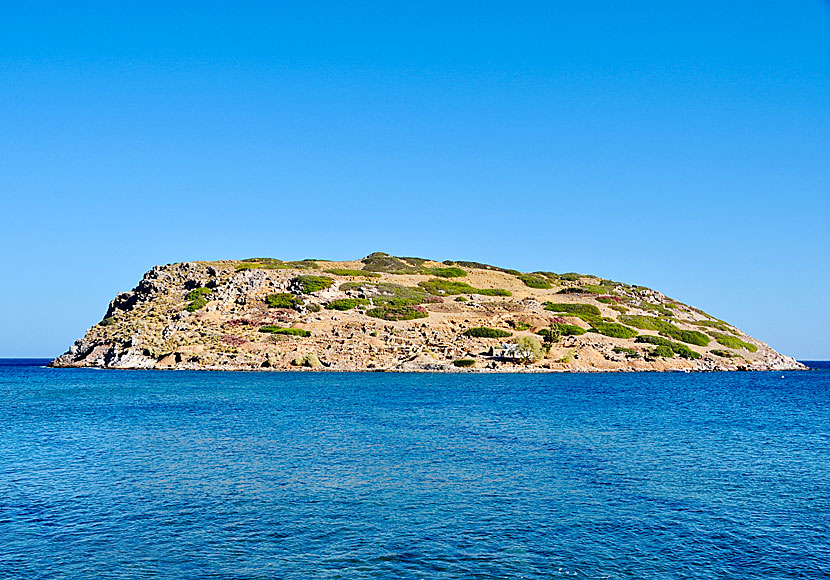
(131, 474)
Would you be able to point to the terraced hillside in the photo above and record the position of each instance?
(406, 314)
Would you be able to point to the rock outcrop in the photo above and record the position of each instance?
(404, 314)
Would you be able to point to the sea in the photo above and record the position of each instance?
(191, 475)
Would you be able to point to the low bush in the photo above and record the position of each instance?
(533, 281)
(388, 293)
(677, 348)
(461, 299)
(662, 351)
(563, 329)
(464, 363)
(629, 352)
(108, 321)
(661, 310)
(733, 342)
(381, 262)
(309, 284)
(480, 266)
(724, 353)
(570, 277)
(484, 332)
(197, 293)
(438, 286)
(348, 272)
(446, 272)
(688, 336)
(313, 307)
(647, 322)
(196, 304)
(346, 303)
(274, 329)
(260, 263)
(573, 308)
(717, 324)
(283, 300)
(518, 324)
(401, 312)
(612, 329)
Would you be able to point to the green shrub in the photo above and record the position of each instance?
(348, 272)
(397, 312)
(528, 349)
(537, 282)
(484, 332)
(301, 265)
(518, 324)
(464, 363)
(733, 342)
(438, 286)
(260, 263)
(388, 293)
(346, 303)
(678, 349)
(564, 330)
(480, 266)
(446, 272)
(662, 351)
(274, 329)
(461, 299)
(108, 321)
(724, 353)
(309, 284)
(573, 308)
(688, 336)
(629, 352)
(283, 300)
(570, 277)
(196, 304)
(380, 262)
(718, 324)
(661, 310)
(197, 293)
(612, 329)
(313, 307)
(647, 322)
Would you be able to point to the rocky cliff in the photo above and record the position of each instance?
(405, 314)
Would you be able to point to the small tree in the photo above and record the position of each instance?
(528, 349)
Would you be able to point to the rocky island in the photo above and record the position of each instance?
(405, 314)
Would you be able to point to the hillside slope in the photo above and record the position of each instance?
(404, 314)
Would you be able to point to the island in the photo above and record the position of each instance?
(388, 313)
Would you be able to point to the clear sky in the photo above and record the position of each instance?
(679, 145)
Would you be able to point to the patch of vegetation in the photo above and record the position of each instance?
(346, 303)
(283, 300)
(724, 353)
(688, 336)
(647, 322)
(570, 277)
(108, 321)
(381, 262)
(438, 286)
(662, 351)
(533, 281)
(197, 293)
(313, 307)
(461, 299)
(677, 348)
(612, 329)
(349, 272)
(446, 272)
(518, 325)
(260, 263)
(733, 342)
(464, 363)
(573, 308)
(485, 332)
(629, 352)
(196, 304)
(302, 265)
(563, 329)
(480, 266)
(309, 284)
(389, 294)
(717, 324)
(274, 329)
(661, 310)
(399, 312)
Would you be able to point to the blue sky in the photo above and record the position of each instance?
(679, 145)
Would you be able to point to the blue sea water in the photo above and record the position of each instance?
(142, 474)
